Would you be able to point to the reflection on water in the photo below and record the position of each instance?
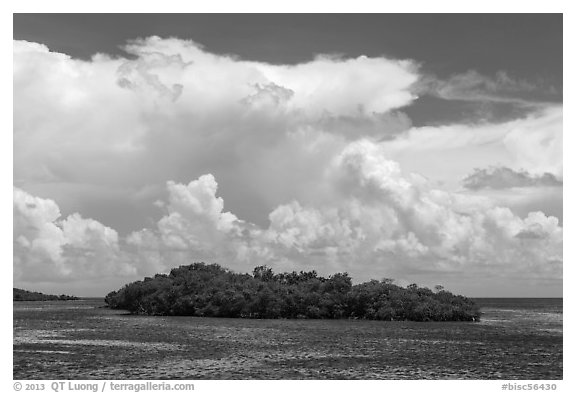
(516, 339)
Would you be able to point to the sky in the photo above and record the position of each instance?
(425, 148)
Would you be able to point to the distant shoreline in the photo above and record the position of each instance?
(22, 295)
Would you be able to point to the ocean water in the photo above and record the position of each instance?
(516, 339)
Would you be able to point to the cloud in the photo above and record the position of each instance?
(315, 162)
(377, 220)
(532, 143)
(448, 230)
(502, 177)
(49, 248)
(538, 145)
(173, 110)
(194, 227)
(502, 88)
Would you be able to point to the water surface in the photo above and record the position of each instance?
(516, 339)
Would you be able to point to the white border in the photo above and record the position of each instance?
(308, 6)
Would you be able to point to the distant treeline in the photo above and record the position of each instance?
(212, 291)
(22, 295)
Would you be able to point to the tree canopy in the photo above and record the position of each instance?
(23, 295)
(210, 290)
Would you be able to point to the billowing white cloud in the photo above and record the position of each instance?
(34, 226)
(49, 248)
(377, 220)
(315, 161)
(175, 111)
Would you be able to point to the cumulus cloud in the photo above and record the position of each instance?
(377, 220)
(173, 110)
(502, 177)
(50, 248)
(314, 161)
